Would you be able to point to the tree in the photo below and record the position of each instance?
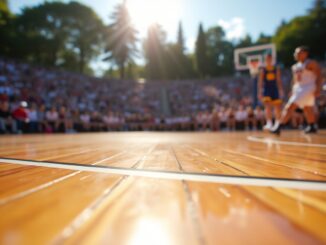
(180, 62)
(201, 52)
(121, 39)
(41, 28)
(317, 35)
(245, 42)
(155, 52)
(52, 33)
(86, 33)
(6, 28)
(180, 41)
(219, 52)
(303, 30)
(263, 39)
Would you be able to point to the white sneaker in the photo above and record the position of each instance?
(268, 126)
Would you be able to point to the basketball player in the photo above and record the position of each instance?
(307, 82)
(270, 90)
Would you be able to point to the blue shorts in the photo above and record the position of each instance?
(271, 93)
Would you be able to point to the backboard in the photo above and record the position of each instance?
(244, 57)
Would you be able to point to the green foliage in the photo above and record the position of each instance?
(245, 42)
(85, 33)
(6, 27)
(264, 39)
(166, 60)
(220, 52)
(155, 52)
(121, 39)
(303, 30)
(57, 34)
(4, 11)
(70, 35)
(201, 52)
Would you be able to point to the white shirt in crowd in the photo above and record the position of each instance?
(223, 116)
(241, 115)
(51, 115)
(32, 115)
(85, 118)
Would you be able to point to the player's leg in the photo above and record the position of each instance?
(268, 115)
(311, 119)
(278, 111)
(285, 117)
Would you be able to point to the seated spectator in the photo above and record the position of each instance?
(206, 120)
(96, 122)
(33, 119)
(52, 119)
(75, 117)
(223, 116)
(21, 117)
(241, 117)
(260, 117)
(85, 119)
(231, 122)
(7, 123)
(215, 121)
(199, 124)
(42, 125)
(251, 121)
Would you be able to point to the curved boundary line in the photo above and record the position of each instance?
(267, 141)
(173, 175)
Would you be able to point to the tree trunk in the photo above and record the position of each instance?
(81, 60)
(122, 71)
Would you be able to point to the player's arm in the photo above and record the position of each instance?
(279, 82)
(314, 66)
(260, 83)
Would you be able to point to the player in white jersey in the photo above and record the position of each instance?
(307, 82)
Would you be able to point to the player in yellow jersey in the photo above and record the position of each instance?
(270, 91)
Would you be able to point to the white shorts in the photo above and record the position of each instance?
(303, 95)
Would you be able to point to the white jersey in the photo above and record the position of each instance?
(304, 85)
(302, 75)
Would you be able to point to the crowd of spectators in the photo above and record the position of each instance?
(34, 100)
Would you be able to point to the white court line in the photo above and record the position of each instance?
(199, 177)
(50, 183)
(279, 142)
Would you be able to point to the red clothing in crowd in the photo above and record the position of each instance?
(20, 114)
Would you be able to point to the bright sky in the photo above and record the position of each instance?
(237, 17)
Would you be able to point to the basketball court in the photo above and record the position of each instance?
(163, 188)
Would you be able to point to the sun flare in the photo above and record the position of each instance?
(146, 12)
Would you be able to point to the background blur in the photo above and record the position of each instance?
(133, 67)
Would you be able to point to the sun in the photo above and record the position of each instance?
(144, 13)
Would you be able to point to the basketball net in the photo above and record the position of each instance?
(254, 67)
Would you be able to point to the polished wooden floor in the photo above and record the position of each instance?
(42, 205)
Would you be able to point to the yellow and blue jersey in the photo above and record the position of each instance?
(270, 92)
